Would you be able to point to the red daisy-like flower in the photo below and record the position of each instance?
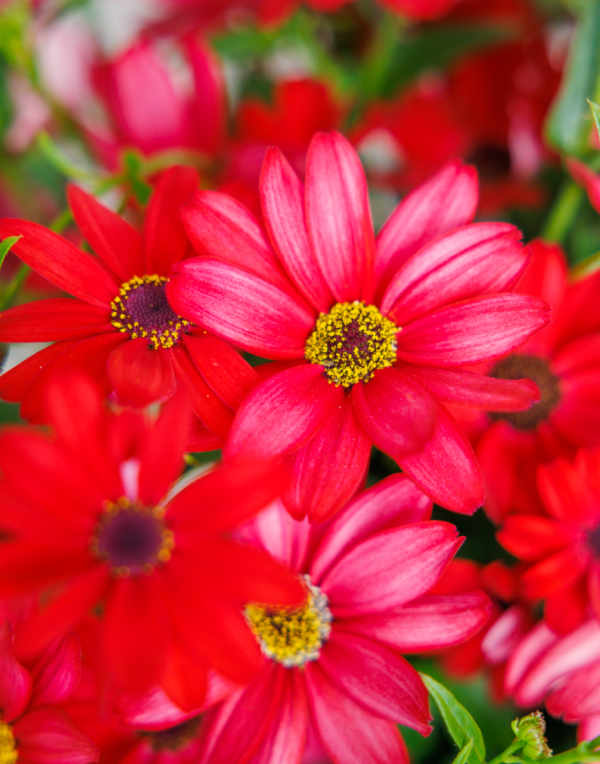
(95, 526)
(121, 328)
(34, 727)
(564, 546)
(333, 670)
(371, 334)
(564, 362)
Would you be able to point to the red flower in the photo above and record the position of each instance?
(370, 335)
(564, 362)
(148, 112)
(510, 620)
(33, 726)
(95, 524)
(563, 670)
(333, 670)
(564, 546)
(121, 328)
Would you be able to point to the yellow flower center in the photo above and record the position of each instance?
(131, 538)
(141, 309)
(352, 341)
(289, 636)
(8, 751)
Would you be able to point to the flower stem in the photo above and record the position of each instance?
(563, 212)
(514, 746)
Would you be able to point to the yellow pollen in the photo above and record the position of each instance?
(141, 310)
(289, 636)
(131, 538)
(8, 751)
(352, 341)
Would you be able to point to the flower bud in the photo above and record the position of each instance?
(531, 730)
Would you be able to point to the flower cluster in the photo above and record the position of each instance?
(282, 329)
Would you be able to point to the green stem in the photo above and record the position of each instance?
(514, 746)
(563, 212)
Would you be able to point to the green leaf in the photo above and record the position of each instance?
(433, 49)
(459, 722)
(463, 755)
(568, 125)
(6, 245)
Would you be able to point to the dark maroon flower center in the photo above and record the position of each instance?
(174, 738)
(141, 309)
(132, 538)
(593, 539)
(538, 370)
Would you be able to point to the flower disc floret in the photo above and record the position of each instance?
(8, 750)
(352, 341)
(526, 366)
(132, 538)
(292, 637)
(141, 309)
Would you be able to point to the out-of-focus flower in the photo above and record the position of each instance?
(563, 547)
(299, 109)
(160, 99)
(510, 620)
(370, 336)
(565, 671)
(564, 362)
(333, 669)
(33, 726)
(96, 526)
(121, 327)
(489, 109)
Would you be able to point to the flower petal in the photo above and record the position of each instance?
(445, 202)
(339, 447)
(221, 227)
(281, 194)
(427, 623)
(161, 460)
(392, 502)
(479, 259)
(338, 216)
(378, 679)
(206, 404)
(371, 578)
(59, 261)
(47, 736)
(397, 413)
(141, 375)
(240, 307)
(470, 389)
(15, 382)
(472, 331)
(114, 240)
(165, 240)
(282, 413)
(54, 319)
(530, 537)
(223, 368)
(58, 672)
(446, 469)
(347, 731)
(15, 688)
(134, 610)
(64, 611)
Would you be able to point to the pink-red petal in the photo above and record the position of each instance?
(141, 374)
(55, 319)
